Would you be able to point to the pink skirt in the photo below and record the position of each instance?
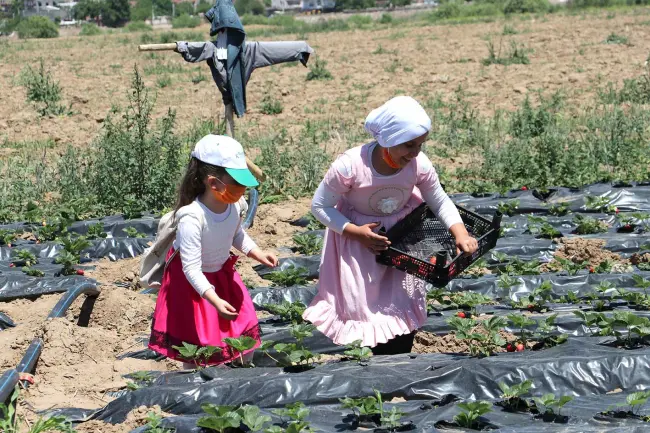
(360, 299)
(181, 315)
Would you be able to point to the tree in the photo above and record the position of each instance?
(186, 8)
(114, 13)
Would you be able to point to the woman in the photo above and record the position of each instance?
(368, 187)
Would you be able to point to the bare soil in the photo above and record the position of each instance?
(580, 250)
(427, 342)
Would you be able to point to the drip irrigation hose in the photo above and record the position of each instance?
(8, 382)
(253, 202)
(87, 288)
(27, 364)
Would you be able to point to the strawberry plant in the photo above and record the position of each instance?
(313, 223)
(480, 343)
(587, 225)
(291, 276)
(505, 228)
(74, 244)
(544, 333)
(220, 418)
(599, 204)
(68, 260)
(572, 268)
(296, 414)
(537, 299)
(627, 222)
(308, 244)
(521, 322)
(288, 311)
(7, 237)
(32, 272)
(569, 298)
(538, 226)
(132, 232)
(634, 403)
(154, 424)
(371, 409)
(47, 232)
(507, 282)
(96, 231)
(521, 267)
(509, 207)
(241, 345)
(296, 353)
(357, 352)
(559, 209)
(552, 406)
(24, 258)
(195, 354)
(223, 418)
(471, 412)
(512, 396)
(629, 329)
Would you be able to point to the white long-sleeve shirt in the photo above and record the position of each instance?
(204, 240)
(352, 175)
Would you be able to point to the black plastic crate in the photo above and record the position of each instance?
(422, 246)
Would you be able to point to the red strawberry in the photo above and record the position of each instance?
(592, 270)
(432, 260)
(627, 227)
(11, 265)
(80, 272)
(616, 210)
(510, 348)
(461, 314)
(520, 347)
(531, 307)
(524, 188)
(9, 245)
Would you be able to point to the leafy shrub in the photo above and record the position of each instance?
(90, 29)
(254, 7)
(447, 10)
(138, 26)
(616, 39)
(184, 8)
(186, 21)
(515, 56)
(318, 71)
(270, 105)
(37, 27)
(386, 19)
(42, 90)
(526, 6)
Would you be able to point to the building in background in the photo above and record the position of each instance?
(302, 5)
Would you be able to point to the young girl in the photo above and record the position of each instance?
(202, 299)
(368, 187)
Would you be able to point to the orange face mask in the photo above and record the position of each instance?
(231, 194)
(385, 155)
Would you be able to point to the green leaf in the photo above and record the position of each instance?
(241, 344)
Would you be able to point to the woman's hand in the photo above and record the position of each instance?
(224, 309)
(364, 234)
(466, 244)
(266, 258)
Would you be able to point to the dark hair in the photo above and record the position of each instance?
(192, 184)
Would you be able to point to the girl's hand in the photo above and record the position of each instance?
(266, 258)
(364, 234)
(224, 309)
(466, 244)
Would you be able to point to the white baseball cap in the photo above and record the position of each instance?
(226, 152)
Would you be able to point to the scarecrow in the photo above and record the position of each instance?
(231, 58)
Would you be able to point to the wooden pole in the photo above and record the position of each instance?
(158, 47)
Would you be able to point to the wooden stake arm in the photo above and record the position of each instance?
(230, 122)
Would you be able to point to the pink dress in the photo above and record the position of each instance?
(358, 298)
(182, 315)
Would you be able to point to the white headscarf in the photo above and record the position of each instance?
(397, 121)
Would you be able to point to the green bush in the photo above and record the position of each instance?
(186, 21)
(42, 90)
(254, 7)
(90, 29)
(526, 6)
(138, 26)
(386, 19)
(360, 21)
(203, 7)
(37, 27)
(446, 10)
(184, 8)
